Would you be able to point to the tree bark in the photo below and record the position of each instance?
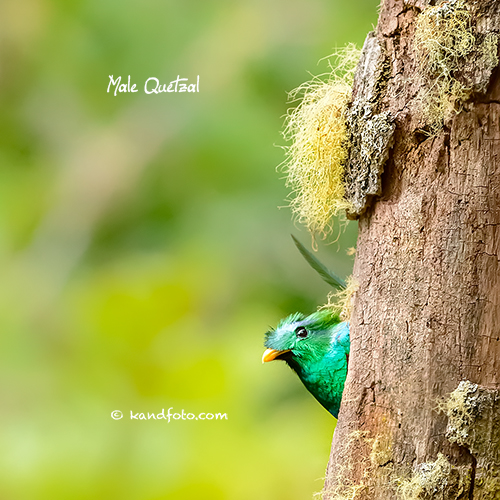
(426, 319)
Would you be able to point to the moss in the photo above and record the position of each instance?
(340, 140)
(341, 301)
(454, 59)
(317, 131)
(344, 492)
(429, 480)
(489, 50)
(444, 36)
(488, 487)
(344, 488)
(377, 453)
(473, 422)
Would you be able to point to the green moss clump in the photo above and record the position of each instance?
(454, 59)
(317, 130)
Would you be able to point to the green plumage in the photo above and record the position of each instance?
(316, 347)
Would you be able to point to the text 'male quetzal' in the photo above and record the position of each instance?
(316, 347)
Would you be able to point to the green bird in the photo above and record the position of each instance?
(316, 347)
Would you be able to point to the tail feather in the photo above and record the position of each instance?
(329, 276)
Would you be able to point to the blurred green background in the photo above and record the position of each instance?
(142, 251)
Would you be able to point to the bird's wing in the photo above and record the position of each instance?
(330, 277)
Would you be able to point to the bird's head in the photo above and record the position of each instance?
(299, 338)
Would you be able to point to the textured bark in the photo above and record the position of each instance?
(427, 313)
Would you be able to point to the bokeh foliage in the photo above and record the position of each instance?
(142, 253)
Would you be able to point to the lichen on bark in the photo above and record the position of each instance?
(369, 131)
(456, 58)
(435, 479)
(474, 422)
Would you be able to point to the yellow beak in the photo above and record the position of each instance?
(271, 354)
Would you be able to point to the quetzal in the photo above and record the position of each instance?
(316, 347)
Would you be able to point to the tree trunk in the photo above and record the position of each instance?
(426, 322)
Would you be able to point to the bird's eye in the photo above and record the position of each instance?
(301, 332)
